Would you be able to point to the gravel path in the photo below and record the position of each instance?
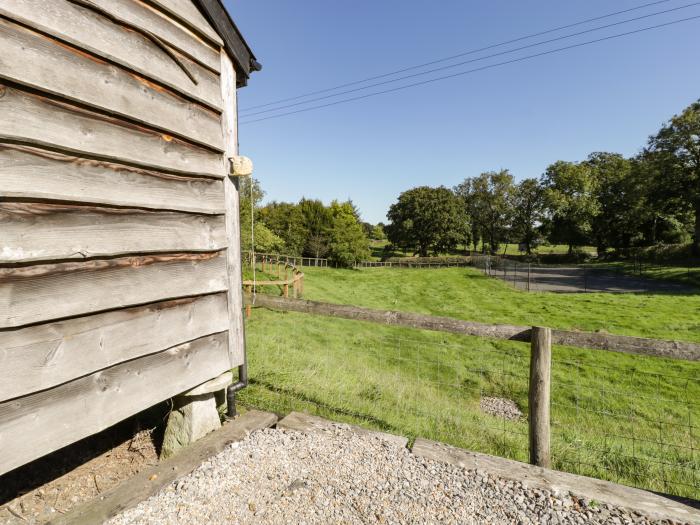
(337, 476)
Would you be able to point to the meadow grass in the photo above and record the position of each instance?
(465, 293)
(624, 418)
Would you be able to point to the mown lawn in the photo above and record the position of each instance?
(465, 293)
(624, 418)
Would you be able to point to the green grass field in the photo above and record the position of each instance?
(465, 293)
(625, 418)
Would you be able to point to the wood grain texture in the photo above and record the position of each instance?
(41, 293)
(34, 232)
(47, 355)
(142, 16)
(187, 13)
(29, 173)
(539, 396)
(233, 226)
(98, 35)
(40, 423)
(684, 350)
(70, 73)
(38, 121)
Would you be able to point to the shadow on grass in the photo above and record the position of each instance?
(380, 423)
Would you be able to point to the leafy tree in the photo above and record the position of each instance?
(474, 228)
(378, 233)
(621, 201)
(318, 223)
(528, 212)
(287, 222)
(348, 242)
(677, 148)
(488, 201)
(426, 220)
(571, 202)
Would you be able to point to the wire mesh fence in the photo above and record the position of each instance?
(534, 277)
(647, 424)
(622, 418)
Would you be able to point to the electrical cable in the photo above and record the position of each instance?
(458, 64)
(486, 48)
(461, 73)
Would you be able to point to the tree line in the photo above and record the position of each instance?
(608, 201)
(308, 228)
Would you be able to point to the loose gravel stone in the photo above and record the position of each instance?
(279, 477)
(500, 407)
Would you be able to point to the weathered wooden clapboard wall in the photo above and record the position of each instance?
(119, 248)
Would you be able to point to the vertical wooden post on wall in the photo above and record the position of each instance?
(236, 341)
(539, 396)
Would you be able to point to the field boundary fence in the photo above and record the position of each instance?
(448, 263)
(599, 417)
(535, 277)
(294, 260)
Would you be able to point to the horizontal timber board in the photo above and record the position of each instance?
(72, 74)
(616, 343)
(41, 293)
(43, 356)
(187, 13)
(34, 174)
(140, 15)
(98, 35)
(35, 425)
(35, 120)
(44, 232)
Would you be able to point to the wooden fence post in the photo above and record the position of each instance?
(539, 396)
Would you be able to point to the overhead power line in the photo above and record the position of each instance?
(459, 55)
(471, 61)
(483, 68)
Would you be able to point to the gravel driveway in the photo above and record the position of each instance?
(338, 476)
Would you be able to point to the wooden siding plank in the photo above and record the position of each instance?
(145, 17)
(233, 227)
(72, 74)
(28, 173)
(33, 426)
(43, 356)
(35, 120)
(34, 232)
(187, 13)
(48, 292)
(98, 35)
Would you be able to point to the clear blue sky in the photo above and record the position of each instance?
(608, 96)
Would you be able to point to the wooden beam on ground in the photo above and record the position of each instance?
(139, 488)
(684, 350)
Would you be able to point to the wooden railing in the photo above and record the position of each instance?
(287, 275)
(540, 339)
